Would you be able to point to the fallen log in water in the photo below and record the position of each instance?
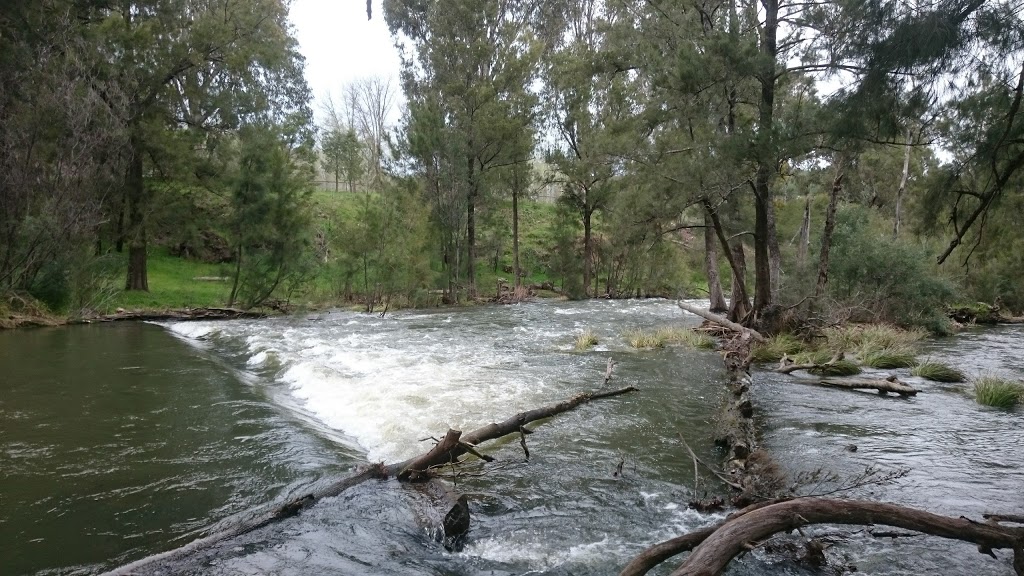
(448, 450)
(757, 522)
(883, 386)
(738, 533)
(721, 321)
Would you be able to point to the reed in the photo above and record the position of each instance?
(684, 336)
(997, 392)
(637, 338)
(938, 372)
(775, 347)
(586, 340)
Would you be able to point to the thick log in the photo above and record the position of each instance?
(735, 536)
(721, 320)
(651, 557)
(449, 449)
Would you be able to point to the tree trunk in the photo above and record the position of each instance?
(830, 226)
(715, 295)
(804, 239)
(588, 250)
(238, 274)
(902, 188)
(739, 306)
(137, 273)
(737, 263)
(515, 233)
(119, 241)
(471, 232)
(767, 260)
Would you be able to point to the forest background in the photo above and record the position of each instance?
(835, 161)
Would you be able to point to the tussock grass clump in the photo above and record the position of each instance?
(813, 357)
(890, 359)
(867, 339)
(837, 368)
(585, 339)
(684, 336)
(637, 338)
(938, 372)
(997, 392)
(772, 349)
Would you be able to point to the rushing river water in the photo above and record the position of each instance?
(119, 441)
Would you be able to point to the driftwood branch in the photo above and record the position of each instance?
(882, 386)
(713, 555)
(721, 320)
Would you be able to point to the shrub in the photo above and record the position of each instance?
(998, 393)
(586, 339)
(772, 349)
(883, 279)
(938, 372)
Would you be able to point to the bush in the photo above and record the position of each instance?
(884, 279)
(938, 372)
(52, 287)
(998, 393)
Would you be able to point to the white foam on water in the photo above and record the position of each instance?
(192, 330)
(387, 383)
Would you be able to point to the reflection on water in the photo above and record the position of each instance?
(123, 440)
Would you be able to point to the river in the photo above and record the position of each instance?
(122, 440)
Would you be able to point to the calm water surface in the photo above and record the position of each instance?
(119, 441)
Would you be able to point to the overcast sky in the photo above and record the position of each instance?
(340, 45)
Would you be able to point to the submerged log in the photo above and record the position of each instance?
(737, 534)
(448, 450)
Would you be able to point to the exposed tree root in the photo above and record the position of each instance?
(736, 534)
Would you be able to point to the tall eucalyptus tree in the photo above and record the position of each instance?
(468, 70)
(199, 67)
